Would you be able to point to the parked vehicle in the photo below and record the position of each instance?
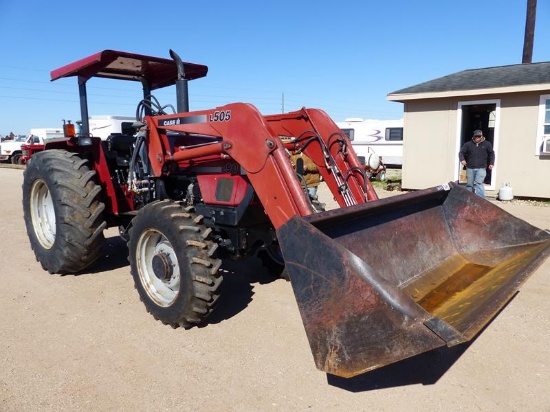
(11, 150)
(35, 142)
(384, 137)
(376, 281)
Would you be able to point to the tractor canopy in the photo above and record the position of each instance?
(112, 64)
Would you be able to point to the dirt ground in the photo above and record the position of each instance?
(86, 343)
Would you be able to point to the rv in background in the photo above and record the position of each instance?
(104, 126)
(383, 137)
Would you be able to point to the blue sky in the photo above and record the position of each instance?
(343, 57)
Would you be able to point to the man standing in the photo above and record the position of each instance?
(478, 156)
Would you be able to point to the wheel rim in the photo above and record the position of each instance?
(152, 246)
(43, 214)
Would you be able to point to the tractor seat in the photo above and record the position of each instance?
(119, 148)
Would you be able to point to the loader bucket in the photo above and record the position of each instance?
(386, 280)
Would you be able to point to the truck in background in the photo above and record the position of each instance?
(36, 140)
(12, 151)
(381, 137)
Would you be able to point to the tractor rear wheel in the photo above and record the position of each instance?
(174, 264)
(63, 212)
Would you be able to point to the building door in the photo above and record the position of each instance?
(481, 115)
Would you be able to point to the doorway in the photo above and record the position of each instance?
(481, 115)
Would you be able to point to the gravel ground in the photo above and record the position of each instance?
(86, 343)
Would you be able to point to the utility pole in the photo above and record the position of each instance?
(283, 103)
(529, 31)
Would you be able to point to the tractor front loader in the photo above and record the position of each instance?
(376, 281)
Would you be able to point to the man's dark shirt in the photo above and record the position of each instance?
(477, 155)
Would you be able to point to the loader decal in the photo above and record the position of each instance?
(182, 120)
(220, 116)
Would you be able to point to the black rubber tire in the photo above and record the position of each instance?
(62, 211)
(272, 261)
(188, 293)
(15, 158)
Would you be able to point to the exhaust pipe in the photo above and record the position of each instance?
(182, 92)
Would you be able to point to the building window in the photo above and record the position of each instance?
(349, 133)
(547, 117)
(543, 135)
(394, 134)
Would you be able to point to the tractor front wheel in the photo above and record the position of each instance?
(63, 212)
(272, 260)
(174, 264)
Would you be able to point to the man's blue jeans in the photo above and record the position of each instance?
(474, 181)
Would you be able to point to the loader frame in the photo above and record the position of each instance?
(178, 142)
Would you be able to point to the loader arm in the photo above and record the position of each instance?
(323, 141)
(245, 136)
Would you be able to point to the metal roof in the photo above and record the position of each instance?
(487, 78)
(112, 64)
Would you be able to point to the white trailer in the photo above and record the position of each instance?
(105, 125)
(383, 137)
(46, 133)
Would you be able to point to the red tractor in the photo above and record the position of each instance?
(376, 280)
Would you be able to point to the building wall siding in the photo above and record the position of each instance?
(430, 145)
(430, 127)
